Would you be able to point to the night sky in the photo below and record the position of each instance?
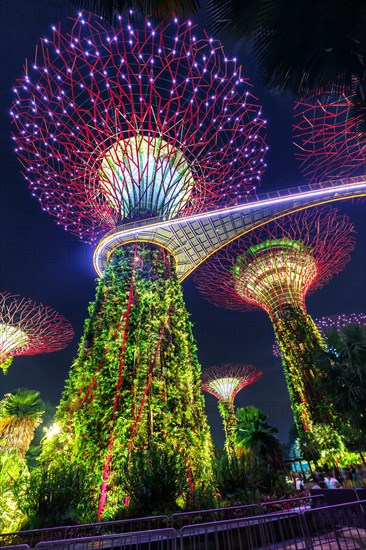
(39, 260)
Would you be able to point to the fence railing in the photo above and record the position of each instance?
(266, 531)
(328, 527)
(181, 519)
(33, 536)
(159, 539)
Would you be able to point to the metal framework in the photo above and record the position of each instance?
(336, 322)
(226, 381)
(327, 137)
(274, 268)
(28, 328)
(144, 135)
(193, 239)
(125, 123)
(317, 244)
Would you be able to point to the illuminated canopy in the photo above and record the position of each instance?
(115, 124)
(275, 273)
(27, 328)
(279, 263)
(225, 381)
(147, 172)
(11, 338)
(327, 137)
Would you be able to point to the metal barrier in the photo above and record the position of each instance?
(157, 539)
(340, 527)
(180, 519)
(269, 532)
(298, 504)
(34, 536)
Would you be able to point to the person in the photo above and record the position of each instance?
(300, 484)
(333, 482)
(319, 482)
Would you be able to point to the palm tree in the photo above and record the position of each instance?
(254, 434)
(299, 46)
(20, 413)
(147, 8)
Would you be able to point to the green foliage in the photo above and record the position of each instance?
(328, 440)
(246, 477)
(52, 495)
(136, 380)
(35, 448)
(5, 364)
(236, 474)
(343, 367)
(12, 470)
(20, 413)
(48, 416)
(314, 414)
(22, 403)
(299, 341)
(155, 480)
(227, 412)
(343, 379)
(254, 434)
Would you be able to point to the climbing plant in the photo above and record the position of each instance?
(135, 382)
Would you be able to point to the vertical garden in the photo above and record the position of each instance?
(135, 383)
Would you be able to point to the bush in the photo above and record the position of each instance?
(52, 495)
(155, 479)
(12, 470)
(244, 478)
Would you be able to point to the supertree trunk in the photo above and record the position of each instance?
(299, 341)
(227, 411)
(136, 379)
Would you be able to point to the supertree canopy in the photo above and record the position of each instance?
(336, 322)
(225, 382)
(328, 136)
(274, 268)
(28, 328)
(122, 123)
(116, 125)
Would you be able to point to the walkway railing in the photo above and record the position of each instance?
(323, 528)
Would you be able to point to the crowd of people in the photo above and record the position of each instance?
(350, 476)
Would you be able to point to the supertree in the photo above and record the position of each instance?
(329, 136)
(28, 328)
(116, 125)
(275, 268)
(336, 322)
(225, 382)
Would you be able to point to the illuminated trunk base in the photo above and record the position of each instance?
(136, 380)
